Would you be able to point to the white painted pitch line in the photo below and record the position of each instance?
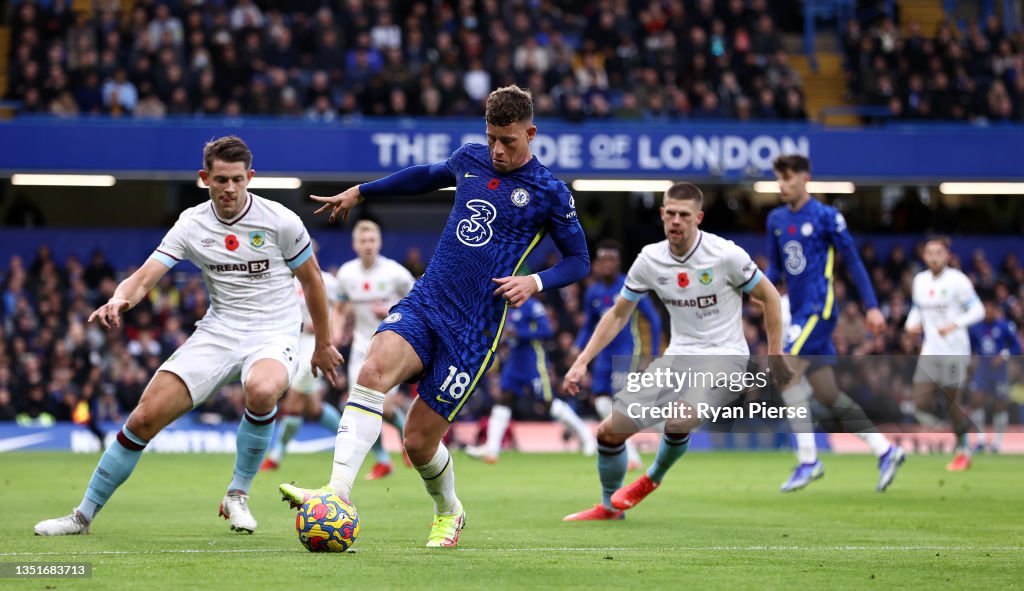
(555, 550)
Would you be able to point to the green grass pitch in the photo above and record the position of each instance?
(718, 521)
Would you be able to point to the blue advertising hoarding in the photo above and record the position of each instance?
(729, 151)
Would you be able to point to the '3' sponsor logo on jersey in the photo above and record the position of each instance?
(476, 230)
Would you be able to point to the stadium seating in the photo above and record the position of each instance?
(622, 60)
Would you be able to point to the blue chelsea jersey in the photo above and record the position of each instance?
(597, 300)
(802, 247)
(496, 221)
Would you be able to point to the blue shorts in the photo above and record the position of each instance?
(811, 336)
(526, 370)
(451, 369)
(609, 373)
(520, 383)
(995, 384)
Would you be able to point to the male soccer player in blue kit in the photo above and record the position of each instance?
(444, 333)
(525, 372)
(803, 237)
(993, 341)
(597, 300)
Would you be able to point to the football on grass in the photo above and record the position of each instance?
(327, 523)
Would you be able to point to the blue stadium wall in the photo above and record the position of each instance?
(726, 151)
(367, 148)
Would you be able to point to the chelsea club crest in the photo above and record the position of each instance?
(520, 197)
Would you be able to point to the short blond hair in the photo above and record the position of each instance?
(365, 226)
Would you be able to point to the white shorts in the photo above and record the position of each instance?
(304, 382)
(942, 370)
(212, 357)
(703, 375)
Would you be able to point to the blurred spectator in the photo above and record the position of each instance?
(7, 410)
(119, 94)
(618, 60)
(98, 270)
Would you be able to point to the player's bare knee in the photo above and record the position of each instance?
(143, 422)
(418, 446)
(261, 396)
(373, 375)
(607, 436)
(826, 398)
(680, 426)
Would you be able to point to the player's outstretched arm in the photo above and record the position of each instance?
(325, 357)
(413, 180)
(129, 293)
(611, 324)
(341, 203)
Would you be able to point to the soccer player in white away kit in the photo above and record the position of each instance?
(248, 249)
(367, 287)
(701, 278)
(305, 396)
(945, 305)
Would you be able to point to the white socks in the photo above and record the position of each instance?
(806, 448)
(501, 415)
(999, 422)
(927, 419)
(563, 413)
(439, 479)
(978, 418)
(358, 429)
(879, 443)
(803, 429)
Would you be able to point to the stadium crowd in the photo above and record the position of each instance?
(975, 74)
(611, 59)
(54, 366)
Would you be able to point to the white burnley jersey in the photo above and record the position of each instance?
(940, 300)
(330, 285)
(702, 291)
(384, 283)
(246, 262)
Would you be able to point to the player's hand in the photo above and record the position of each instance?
(573, 377)
(945, 330)
(782, 369)
(326, 359)
(342, 202)
(875, 321)
(516, 289)
(109, 314)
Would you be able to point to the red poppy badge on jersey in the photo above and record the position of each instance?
(683, 279)
(231, 242)
(493, 184)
